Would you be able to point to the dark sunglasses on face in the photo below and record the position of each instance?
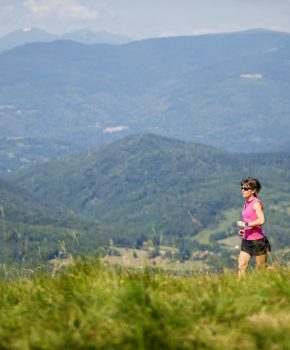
(245, 189)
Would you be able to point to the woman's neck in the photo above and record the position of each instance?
(249, 199)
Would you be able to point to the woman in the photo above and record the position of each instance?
(254, 242)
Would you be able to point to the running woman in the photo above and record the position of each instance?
(254, 242)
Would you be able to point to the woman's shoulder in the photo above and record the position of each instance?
(257, 203)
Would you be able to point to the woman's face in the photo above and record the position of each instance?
(247, 192)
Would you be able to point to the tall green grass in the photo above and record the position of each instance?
(91, 306)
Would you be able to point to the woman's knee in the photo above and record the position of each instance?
(242, 264)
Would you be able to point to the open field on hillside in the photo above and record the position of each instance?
(224, 225)
(144, 258)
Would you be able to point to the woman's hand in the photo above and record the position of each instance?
(241, 224)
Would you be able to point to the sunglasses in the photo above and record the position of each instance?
(245, 189)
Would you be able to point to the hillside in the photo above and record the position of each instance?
(31, 232)
(218, 90)
(91, 306)
(145, 186)
(135, 182)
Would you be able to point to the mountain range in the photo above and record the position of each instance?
(31, 35)
(229, 91)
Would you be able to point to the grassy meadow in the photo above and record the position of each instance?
(91, 305)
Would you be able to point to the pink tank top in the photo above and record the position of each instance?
(250, 215)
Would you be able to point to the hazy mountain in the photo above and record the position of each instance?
(229, 91)
(31, 35)
(24, 36)
(87, 36)
(147, 183)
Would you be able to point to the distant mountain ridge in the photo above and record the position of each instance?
(29, 35)
(229, 91)
(87, 36)
(24, 36)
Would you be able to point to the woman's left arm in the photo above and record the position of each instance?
(258, 207)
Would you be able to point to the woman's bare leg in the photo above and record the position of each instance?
(261, 261)
(243, 262)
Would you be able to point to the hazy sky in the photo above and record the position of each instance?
(145, 18)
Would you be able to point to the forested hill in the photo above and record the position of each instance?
(137, 182)
(31, 232)
(147, 183)
(64, 97)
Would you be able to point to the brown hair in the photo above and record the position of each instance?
(253, 184)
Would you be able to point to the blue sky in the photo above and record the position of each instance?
(145, 18)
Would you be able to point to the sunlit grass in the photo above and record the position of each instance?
(91, 306)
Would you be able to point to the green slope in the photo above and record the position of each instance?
(31, 232)
(145, 185)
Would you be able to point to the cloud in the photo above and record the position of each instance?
(6, 10)
(62, 9)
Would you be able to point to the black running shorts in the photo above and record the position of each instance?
(256, 247)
